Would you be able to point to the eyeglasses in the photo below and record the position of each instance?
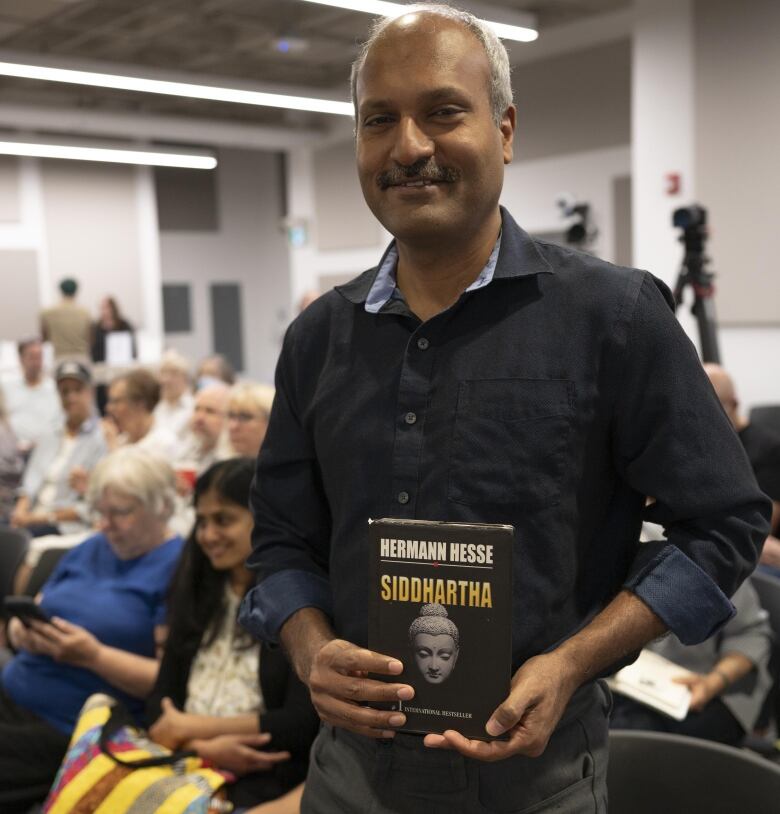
(242, 418)
(114, 512)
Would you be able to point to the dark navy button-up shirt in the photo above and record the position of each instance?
(554, 397)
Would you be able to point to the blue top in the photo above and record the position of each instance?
(118, 601)
(553, 398)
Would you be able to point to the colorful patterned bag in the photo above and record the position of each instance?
(111, 767)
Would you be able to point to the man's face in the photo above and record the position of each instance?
(31, 360)
(435, 656)
(430, 157)
(76, 398)
(208, 416)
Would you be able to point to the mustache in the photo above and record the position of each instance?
(426, 170)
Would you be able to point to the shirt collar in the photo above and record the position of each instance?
(516, 254)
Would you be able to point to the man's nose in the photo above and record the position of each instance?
(411, 143)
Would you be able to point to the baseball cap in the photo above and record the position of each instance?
(73, 370)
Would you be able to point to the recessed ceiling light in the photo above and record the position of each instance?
(167, 88)
(113, 154)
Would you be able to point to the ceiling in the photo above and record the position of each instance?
(221, 40)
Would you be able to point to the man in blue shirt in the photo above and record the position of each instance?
(477, 375)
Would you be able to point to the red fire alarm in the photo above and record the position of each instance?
(673, 183)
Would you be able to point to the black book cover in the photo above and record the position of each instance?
(440, 601)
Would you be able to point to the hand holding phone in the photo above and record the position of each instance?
(25, 608)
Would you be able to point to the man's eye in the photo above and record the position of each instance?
(444, 112)
(375, 121)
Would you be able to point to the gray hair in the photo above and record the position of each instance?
(136, 473)
(433, 620)
(500, 79)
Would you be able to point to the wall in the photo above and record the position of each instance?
(95, 222)
(248, 247)
(737, 133)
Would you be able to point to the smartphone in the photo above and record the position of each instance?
(26, 608)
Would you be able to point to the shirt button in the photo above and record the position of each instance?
(403, 498)
(410, 418)
(423, 343)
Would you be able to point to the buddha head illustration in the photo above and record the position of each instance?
(435, 643)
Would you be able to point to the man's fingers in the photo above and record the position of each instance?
(506, 715)
(346, 657)
(355, 688)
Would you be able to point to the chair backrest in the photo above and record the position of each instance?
(42, 571)
(768, 590)
(766, 416)
(652, 772)
(13, 549)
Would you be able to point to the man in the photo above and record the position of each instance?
(31, 400)
(763, 451)
(67, 325)
(52, 493)
(207, 425)
(477, 375)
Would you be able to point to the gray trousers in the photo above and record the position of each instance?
(351, 774)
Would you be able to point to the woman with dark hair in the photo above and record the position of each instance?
(109, 320)
(235, 702)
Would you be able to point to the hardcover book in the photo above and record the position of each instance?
(440, 601)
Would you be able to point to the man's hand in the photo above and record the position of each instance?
(65, 642)
(540, 691)
(338, 683)
(170, 729)
(20, 517)
(239, 753)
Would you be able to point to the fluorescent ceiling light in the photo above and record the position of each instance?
(382, 8)
(114, 155)
(166, 88)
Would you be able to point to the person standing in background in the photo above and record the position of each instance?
(109, 321)
(32, 404)
(67, 326)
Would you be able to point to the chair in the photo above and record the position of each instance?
(768, 590)
(43, 568)
(653, 772)
(13, 549)
(766, 416)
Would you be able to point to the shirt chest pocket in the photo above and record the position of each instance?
(509, 442)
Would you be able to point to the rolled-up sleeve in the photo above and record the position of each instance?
(291, 535)
(673, 442)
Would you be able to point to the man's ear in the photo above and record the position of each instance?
(507, 128)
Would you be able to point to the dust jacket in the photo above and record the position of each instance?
(440, 601)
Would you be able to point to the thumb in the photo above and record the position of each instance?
(687, 681)
(167, 705)
(504, 717)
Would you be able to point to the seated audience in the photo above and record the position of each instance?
(730, 678)
(174, 409)
(218, 691)
(215, 368)
(106, 603)
(205, 443)
(763, 450)
(249, 409)
(52, 491)
(132, 398)
(11, 465)
(31, 399)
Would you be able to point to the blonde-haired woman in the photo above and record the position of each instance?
(106, 605)
(249, 409)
